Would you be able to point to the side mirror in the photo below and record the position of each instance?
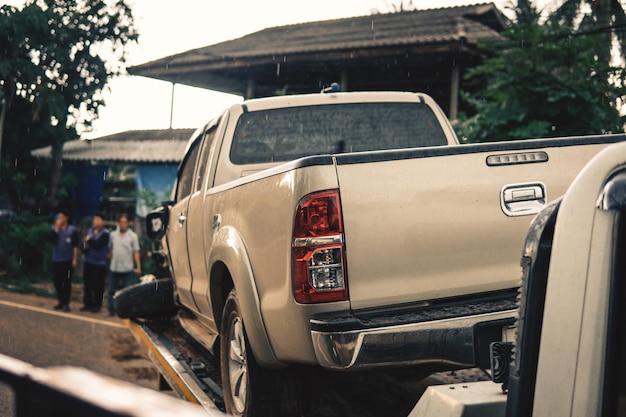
(156, 223)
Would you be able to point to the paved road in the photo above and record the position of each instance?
(30, 330)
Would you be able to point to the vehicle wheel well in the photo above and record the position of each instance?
(221, 285)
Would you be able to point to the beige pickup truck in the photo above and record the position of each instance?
(350, 231)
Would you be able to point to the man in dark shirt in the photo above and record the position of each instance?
(95, 266)
(64, 258)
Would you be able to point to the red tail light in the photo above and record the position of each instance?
(318, 250)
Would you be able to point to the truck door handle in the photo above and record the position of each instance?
(181, 219)
(523, 199)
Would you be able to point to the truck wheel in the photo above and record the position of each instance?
(151, 300)
(250, 390)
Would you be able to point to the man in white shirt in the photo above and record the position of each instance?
(125, 262)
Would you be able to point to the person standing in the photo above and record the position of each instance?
(64, 258)
(123, 250)
(96, 245)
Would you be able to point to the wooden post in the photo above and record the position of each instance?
(454, 92)
(250, 87)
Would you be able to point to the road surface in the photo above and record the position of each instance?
(30, 330)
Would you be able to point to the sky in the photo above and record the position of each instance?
(166, 28)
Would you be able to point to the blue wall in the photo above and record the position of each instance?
(85, 195)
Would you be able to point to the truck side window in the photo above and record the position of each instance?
(185, 172)
(204, 157)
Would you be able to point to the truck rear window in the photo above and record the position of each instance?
(286, 134)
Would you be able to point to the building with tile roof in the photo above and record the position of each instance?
(154, 156)
(422, 50)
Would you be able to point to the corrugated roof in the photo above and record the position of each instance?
(134, 146)
(404, 51)
(471, 23)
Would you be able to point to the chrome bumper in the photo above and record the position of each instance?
(450, 341)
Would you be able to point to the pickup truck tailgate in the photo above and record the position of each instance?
(428, 224)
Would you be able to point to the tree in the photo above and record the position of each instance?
(56, 57)
(399, 8)
(606, 19)
(545, 80)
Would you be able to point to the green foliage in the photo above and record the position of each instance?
(149, 198)
(59, 54)
(605, 19)
(26, 182)
(281, 91)
(544, 81)
(56, 57)
(25, 248)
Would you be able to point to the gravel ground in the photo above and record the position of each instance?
(31, 331)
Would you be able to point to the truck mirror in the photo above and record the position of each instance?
(156, 224)
(613, 196)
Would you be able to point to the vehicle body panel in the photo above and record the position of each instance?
(201, 232)
(417, 215)
(258, 209)
(177, 243)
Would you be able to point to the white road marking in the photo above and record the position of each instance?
(61, 314)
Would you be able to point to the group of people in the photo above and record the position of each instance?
(117, 250)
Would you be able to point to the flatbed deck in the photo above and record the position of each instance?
(185, 366)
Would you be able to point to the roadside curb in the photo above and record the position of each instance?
(42, 289)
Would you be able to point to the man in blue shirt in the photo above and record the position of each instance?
(96, 250)
(123, 250)
(64, 258)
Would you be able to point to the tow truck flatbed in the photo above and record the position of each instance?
(188, 369)
(184, 365)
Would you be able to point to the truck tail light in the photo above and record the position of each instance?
(318, 250)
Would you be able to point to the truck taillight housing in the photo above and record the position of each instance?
(318, 250)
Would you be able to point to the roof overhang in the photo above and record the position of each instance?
(160, 146)
(374, 52)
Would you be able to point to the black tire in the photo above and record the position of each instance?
(254, 391)
(151, 300)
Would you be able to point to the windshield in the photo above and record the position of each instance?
(289, 133)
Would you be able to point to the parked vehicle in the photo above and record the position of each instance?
(570, 349)
(350, 231)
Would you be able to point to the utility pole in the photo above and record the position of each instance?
(172, 107)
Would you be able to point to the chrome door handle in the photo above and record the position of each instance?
(181, 219)
(523, 199)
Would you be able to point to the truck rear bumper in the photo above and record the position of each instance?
(349, 343)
